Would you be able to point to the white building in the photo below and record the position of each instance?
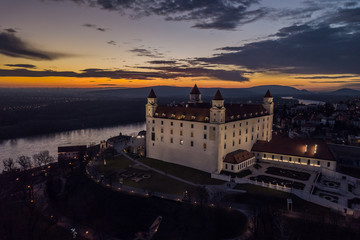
(200, 135)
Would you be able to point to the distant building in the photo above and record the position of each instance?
(136, 144)
(68, 153)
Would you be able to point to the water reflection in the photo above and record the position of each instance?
(31, 145)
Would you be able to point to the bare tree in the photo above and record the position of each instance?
(24, 162)
(9, 164)
(43, 158)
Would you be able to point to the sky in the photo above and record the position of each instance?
(312, 44)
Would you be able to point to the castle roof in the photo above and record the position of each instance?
(218, 96)
(201, 112)
(152, 94)
(268, 94)
(238, 156)
(311, 148)
(195, 90)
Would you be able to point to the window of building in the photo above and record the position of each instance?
(213, 128)
(181, 133)
(181, 124)
(239, 132)
(246, 139)
(232, 167)
(252, 137)
(204, 146)
(318, 163)
(252, 129)
(205, 136)
(257, 136)
(289, 159)
(181, 142)
(171, 123)
(233, 134)
(272, 156)
(171, 140)
(234, 126)
(225, 146)
(192, 143)
(225, 127)
(233, 143)
(309, 162)
(328, 164)
(162, 122)
(239, 124)
(258, 128)
(264, 155)
(247, 123)
(281, 157)
(226, 166)
(239, 140)
(205, 127)
(192, 125)
(153, 121)
(153, 129)
(153, 136)
(299, 160)
(258, 120)
(162, 138)
(171, 131)
(246, 131)
(225, 136)
(192, 134)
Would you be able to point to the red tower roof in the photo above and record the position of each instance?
(195, 90)
(268, 94)
(218, 96)
(152, 94)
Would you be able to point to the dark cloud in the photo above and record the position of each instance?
(13, 46)
(10, 30)
(331, 46)
(88, 25)
(111, 42)
(327, 77)
(21, 65)
(107, 84)
(214, 14)
(162, 62)
(142, 52)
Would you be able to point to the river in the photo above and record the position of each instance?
(306, 101)
(31, 145)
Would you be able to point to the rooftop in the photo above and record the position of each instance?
(238, 156)
(311, 148)
(195, 90)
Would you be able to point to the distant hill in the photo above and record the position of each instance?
(345, 92)
(167, 91)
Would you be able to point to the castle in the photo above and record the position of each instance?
(209, 137)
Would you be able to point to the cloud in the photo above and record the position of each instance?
(107, 84)
(209, 14)
(162, 62)
(111, 42)
(88, 25)
(21, 65)
(327, 77)
(310, 48)
(10, 30)
(13, 46)
(142, 52)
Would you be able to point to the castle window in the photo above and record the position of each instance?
(239, 124)
(191, 143)
(272, 157)
(225, 136)
(171, 140)
(309, 162)
(205, 127)
(238, 116)
(225, 146)
(328, 164)
(181, 142)
(173, 115)
(233, 143)
(258, 128)
(245, 115)
(205, 136)
(246, 139)
(262, 134)
(164, 115)
(192, 125)
(213, 128)
(250, 114)
(252, 129)
(156, 114)
(246, 131)
(206, 118)
(239, 132)
(171, 131)
(162, 130)
(153, 121)
(181, 133)
(192, 134)
(171, 123)
(152, 136)
(162, 138)
(182, 116)
(233, 134)
(281, 157)
(153, 129)
(162, 122)
(289, 159)
(226, 166)
(181, 124)
(193, 117)
(318, 163)
(204, 146)
(232, 167)
(247, 123)
(299, 160)
(232, 117)
(239, 140)
(257, 136)
(225, 127)
(264, 155)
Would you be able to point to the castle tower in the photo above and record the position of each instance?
(217, 111)
(151, 104)
(268, 102)
(195, 95)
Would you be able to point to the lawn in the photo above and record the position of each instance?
(121, 215)
(189, 174)
(114, 164)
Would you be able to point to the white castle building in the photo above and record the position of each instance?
(209, 137)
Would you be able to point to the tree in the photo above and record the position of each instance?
(9, 164)
(24, 162)
(43, 158)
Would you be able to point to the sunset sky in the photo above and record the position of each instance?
(312, 45)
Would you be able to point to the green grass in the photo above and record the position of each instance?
(189, 174)
(114, 164)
